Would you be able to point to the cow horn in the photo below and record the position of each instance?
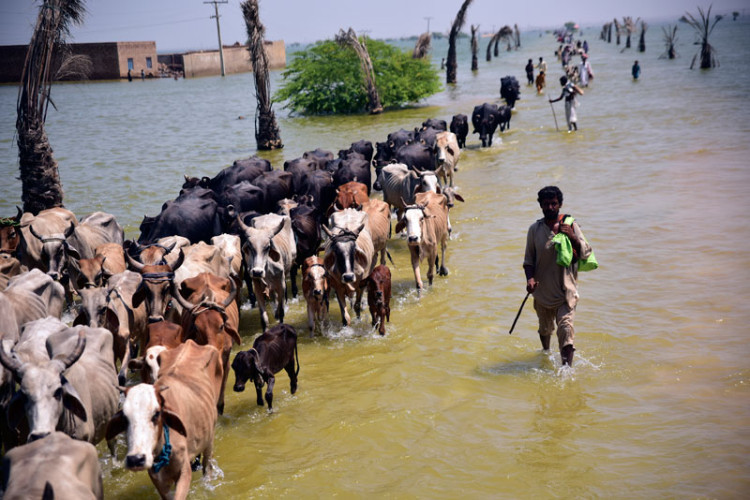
(69, 230)
(12, 363)
(134, 263)
(231, 296)
(179, 261)
(77, 351)
(242, 224)
(170, 247)
(180, 299)
(19, 214)
(417, 169)
(34, 233)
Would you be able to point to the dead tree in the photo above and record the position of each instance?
(642, 40)
(422, 46)
(267, 134)
(518, 36)
(670, 38)
(618, 30)
(458, 22)
(474, 48)
(368, 73)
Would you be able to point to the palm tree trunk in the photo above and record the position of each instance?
(474, 48)
(368, 73)
(458, 22)
(267, 135)
(40, 179)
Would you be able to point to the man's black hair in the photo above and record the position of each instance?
(549, 192)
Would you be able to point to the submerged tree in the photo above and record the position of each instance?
(474, 48)
(458, 22)
(368, 73)
(518, 35)
(642, 40)
(629, 26)
(670, 38)
(703, 28)
(267, 134)
(422, 46)
(40, 178)
(618, 31)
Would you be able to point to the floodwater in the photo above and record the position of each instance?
(447, 404)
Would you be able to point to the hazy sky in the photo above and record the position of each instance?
(186, 24)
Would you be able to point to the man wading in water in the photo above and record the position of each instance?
(554, 286)
(569, 92)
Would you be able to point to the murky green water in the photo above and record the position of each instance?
(448, 404)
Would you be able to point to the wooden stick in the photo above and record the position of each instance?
(553, 114)
(519, 313)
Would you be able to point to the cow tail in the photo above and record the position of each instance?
(390, 258)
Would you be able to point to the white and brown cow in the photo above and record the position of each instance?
(448, 154)
(315, 290)
(426, 223)
(179, 407)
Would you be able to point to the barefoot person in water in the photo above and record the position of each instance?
(554, 287)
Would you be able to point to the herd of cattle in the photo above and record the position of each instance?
(167, 305)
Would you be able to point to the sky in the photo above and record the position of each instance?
(181, 25)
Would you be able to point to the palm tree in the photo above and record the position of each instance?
(703, 27)
(474, 48)
(670, 38)
(267, 134)
(458, 22)
(40, 178)
(368, 73)
(629, 25)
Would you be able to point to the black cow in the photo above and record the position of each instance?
(306, 229)
(485, 121)
(510, 90)
(274, 350)
(276, 186)
(241, 170)
(396, 140)
(354, 169)
(300, 168)
(460, 127)
(504, 114)
(245, 197)
(417, 156)
(196, 219)
(319, 156)
(435, 123)
(318, 191)
(363, 147)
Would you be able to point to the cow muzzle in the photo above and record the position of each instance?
(239, 387)
(347, 277)
(135, 462)
(155, 318)
(258, 273)
(37, 435)
(413, 239)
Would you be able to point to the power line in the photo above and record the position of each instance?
(218, 30)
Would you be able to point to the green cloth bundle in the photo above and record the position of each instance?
(565, 251)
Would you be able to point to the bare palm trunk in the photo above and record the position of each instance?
(518, 35)
(422, 46)
(267, 135)
(368, 73)
(642, 40)
(458, 22)
(40, 179)
(489, 47)
(474, 48)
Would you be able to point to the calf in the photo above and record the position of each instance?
(162, 336)
(350, 195)
(179, 410)
(315, 290)
(379, 296)
(273, 350)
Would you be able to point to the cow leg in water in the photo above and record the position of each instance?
(292, 376)
(260, 291)
(358, 299)
(311, 317)
(208, 452)
(249, 283)
(269, 392)
(341, 297)
(183, 482)
(226, 366)
(293, 279)
(280, 299)
(417, 273)
(431, 257)
(443, 270)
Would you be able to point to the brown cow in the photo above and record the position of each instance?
(379, 223)
(211, 316)
(162, 336)
(180, 405)
(9, 233)
(109, 259)
(379, 296)
(350, 195)
(273, 350)
(315, 290)
(9, 267)
(426, 223)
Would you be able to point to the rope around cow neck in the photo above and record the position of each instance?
(162, 459)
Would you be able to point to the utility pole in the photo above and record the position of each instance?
(218, 30)
(428, 23)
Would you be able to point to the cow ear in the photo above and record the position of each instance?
(72, 252)
(16, 410)
(80, 320)
(135, 364)
(116, 425)
(71, 400)
(400, 225)
(459, 197)
(111, 321)
(173, 421)
(139, 296)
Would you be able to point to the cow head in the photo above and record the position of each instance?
(9, 233)
(314, 280)
(413, 221)
(44, 391)
(341, 251)
(209, 318)
(9, 267)
(87, 273)
(156, 286)
(258, 247)
(451, 196)
(143, 416)
(246, 367)
(55, 250)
